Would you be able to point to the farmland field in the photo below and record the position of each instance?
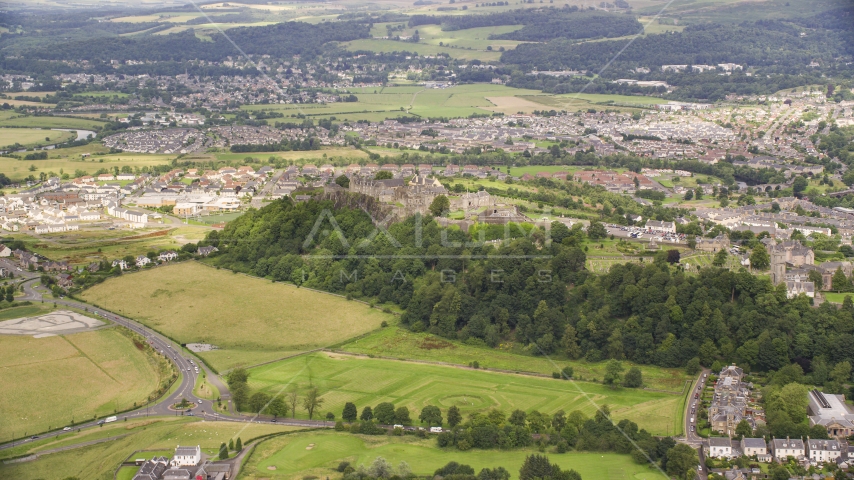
(365, 381)
(457, 101)
(32, 137)
(98, 462)
(191, 302)
(51, 122)
(70, 162)
(48, 381)
(388, 46)
(297, 156)
(291, 458)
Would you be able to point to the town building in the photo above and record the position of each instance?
(785, 448)
(729, 403)
(831, 412)
(823, 451)
(720, 447)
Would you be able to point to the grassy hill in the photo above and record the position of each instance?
(251, 320)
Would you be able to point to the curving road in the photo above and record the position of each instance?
(186, 368)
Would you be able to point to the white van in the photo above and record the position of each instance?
(397, 426)
(692, 419)
(435, 429)
(110, 419)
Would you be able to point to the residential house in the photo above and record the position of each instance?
(713, 245)
(755, 447)
(823, 451)
(187, 456)
(785, 448)
(720, 447)
(142, 261)
(176, 473)
(123, 265)
(205, 251)
(65, 281)
(152, 469)
(729, 403)
(5, 251)
(167, 256)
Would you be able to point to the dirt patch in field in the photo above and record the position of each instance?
(433, 343)
(513, 105)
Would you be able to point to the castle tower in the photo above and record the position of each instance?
(778, 266)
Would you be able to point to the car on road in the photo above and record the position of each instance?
(34, 437)
(273, 420)
(66, 429)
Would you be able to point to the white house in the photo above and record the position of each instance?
(755, 447)
(123, 265)
(142, 261)
(655, 225)
(187, 456)
(167, 256)
(5, 251)
(125, 176)
(720, 447)
(784, 448)
(823, 451)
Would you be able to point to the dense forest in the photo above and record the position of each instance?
(777, 46)
(538, 293)
(279, 40)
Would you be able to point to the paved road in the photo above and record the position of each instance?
(692, 408)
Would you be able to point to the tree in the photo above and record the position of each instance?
(596, 231)
(277, 407)
(693, 366)
(633, 378)
(454, 416)
(759, 257)
(613, 370)
(258, 401)
(239, 445)
(350, 413)
(743, 429)
(223, 451)
(384, 413)
(293, 400)
(343, 181)
(439, 206)
(815, 277)
(799, 185)
(231, 444)
(538, 467)
(312, 401)
(431, 415)
(720, 258)
(367, 414)
(681, 461)
(401, 416)
(839, 282)
(673, 256)
(689, 195)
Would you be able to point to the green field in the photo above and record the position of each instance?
(457, 101)
(32, 137)
(290, 457)
(95, 244)
(394, 342)
(388, 46)
(99, 462)
(836, 297)
(297, 156)
(365, 381)
(49, 381)
(250, 319)
(69, 161)
(51, 122)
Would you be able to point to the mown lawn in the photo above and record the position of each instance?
(319, 453)
(368, 382)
